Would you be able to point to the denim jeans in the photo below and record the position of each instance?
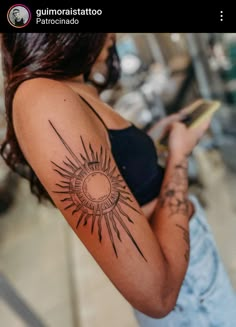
(206, 298)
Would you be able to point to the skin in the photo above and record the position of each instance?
(70, 152)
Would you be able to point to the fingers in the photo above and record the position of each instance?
(164, 125)
(204, 125)
(201, 130)
(186, 110)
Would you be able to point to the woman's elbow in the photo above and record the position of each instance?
(156, 307)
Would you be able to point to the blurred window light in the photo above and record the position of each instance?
(130, 64)
(175, 37)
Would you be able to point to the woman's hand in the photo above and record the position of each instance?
(158, 130)
(182, 139)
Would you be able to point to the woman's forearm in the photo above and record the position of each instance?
(170, 221)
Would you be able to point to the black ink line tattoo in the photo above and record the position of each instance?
(173, 194)
(186, 238)
(81, 176)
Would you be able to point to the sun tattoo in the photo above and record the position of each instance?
(82, 194)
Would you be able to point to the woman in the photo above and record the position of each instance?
(101, 172)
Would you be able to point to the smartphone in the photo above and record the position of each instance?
(196, 113)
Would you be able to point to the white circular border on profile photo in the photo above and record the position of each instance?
(25, 14)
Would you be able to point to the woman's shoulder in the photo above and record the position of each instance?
(41, 90)
(40, 81)
(44, 97)
(41, 99)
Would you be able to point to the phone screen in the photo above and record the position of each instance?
(195, 114)
(199, 110)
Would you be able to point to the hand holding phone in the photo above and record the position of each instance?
(195, 114)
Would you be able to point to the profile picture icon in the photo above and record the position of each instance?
(19, 16)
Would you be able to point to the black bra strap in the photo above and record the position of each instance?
(95, 112)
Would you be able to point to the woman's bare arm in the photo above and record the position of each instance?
(173, 211)
(71, 156)
(170, 222)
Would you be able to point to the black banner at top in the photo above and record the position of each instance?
(145, 16)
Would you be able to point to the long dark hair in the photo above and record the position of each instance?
(53, 55)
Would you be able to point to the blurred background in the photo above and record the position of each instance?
(47, 277)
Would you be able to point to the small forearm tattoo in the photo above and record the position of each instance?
(173, 195)
(81, 177)
(186, 239)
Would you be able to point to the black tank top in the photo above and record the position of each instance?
(136, 157)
